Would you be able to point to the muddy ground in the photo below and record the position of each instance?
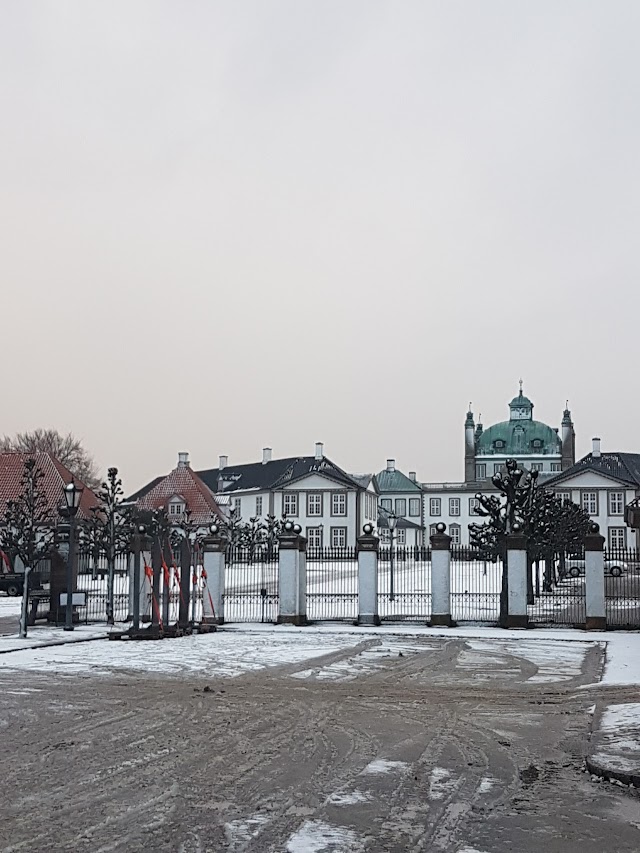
(433, 749)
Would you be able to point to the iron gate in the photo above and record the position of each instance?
(622, 587)
(475, 587)
(251, 584)
(332, 584)
(404, 584)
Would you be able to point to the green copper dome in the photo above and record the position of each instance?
(518, 437)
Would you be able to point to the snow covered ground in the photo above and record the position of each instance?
(617, 742)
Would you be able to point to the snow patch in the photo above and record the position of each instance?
(486, 784)
(364, 663)
(315, 836)
(347, 798)
(440, 783)
(383, 765)
(238, 832)
(554, 661)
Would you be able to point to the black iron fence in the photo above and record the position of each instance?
(332, 584)
(556, 590)
(475, 587)
(251, 584)
(404, 584)
(622, 587)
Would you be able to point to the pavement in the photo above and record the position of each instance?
(614, 752)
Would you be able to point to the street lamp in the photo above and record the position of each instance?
(72, 497)
(392, 520)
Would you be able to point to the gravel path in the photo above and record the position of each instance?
(409, 745)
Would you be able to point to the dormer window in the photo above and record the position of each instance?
(536, 444)
(499, 444)
(176, 506)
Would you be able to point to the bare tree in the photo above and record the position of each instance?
(25, 530)
(65, 448)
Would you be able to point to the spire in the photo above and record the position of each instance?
(566, 415)
(469, 421)
(521, 383)
(479, 427)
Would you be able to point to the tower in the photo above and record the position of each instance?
(469, 448)
(568, 440)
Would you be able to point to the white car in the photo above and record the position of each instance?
(575, 567)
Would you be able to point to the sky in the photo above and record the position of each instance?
(234, 224)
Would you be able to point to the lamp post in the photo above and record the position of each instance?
(392, 520)
(194, 575)
(72, 496)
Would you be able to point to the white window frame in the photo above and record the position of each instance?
(237, 507)
(338, 533)
(455, 532)
(386, 504)
(290, 499)
(385, 535)
(176, 508)
(555, 467)
(338, 502)
(454, 507)
(614, 534)
(414, 507)
(589, 502)
(435, 507)
(616, 498)
(537, 466)
(563, 496)
(401, 508)
(401, 536)
(314, 504)
(258, 506)
(474, 504)
(481, 470)
(315, 533)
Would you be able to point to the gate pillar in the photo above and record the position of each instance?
(516, 569)
(367, 547)
(441, 578)
(596, 615)
(292, 576)
(213, 577)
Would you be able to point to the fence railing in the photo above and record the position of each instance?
(332, 584)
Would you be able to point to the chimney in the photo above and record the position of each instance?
(319, 450)
(412, 476)
(183, 460)
(391, 465)
(223, 462)
(266, 455)
(595, 449)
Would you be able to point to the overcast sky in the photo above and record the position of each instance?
(230, 225)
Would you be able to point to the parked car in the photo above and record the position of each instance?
(11, 583)
(574, 567)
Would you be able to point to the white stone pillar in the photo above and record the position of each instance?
(292, 591)
(367, 549)
(441, 578)
(517, 581)
(213, 577)
(596, 614)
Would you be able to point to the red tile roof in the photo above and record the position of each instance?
(56, 476)
(183, 481)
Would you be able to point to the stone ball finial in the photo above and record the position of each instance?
(297, 529)
(441, 527)
(516, 527)
(367, 529)
(594, 528)
(142, 529)
(288, 526)
(213, 529)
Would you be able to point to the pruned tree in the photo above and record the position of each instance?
(65, 448)
(26, 527)
(108, 530)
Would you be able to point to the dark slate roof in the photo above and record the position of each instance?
(275, 474)
(624, 467)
